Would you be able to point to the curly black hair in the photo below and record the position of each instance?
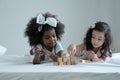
(35, 36)
(106, 47)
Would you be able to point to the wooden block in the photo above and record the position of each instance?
(60, 63)
(63, 55)
(55, 63)
(65, 63)
(64, 60)
(73, 62)
(72, 58)
(82, 61)
(59, 59)
(68, 62)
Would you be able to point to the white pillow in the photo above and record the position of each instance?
(2, 50)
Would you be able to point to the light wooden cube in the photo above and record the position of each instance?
(68, 62)
(64, 60)
(72, 58)
(55, 63)
(63, 55)
(65, 63)
(73, 62)
(82, 61)
(60, 63)
(59, 59)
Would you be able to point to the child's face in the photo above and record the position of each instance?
(49, 38)
(97, 39)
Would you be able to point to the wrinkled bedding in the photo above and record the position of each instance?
(20, 67)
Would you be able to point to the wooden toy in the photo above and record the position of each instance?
(63, 61)
(82, 61)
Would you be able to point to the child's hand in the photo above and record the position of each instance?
(46, 52)
(92, 56)
(71, 49)
(38, 51)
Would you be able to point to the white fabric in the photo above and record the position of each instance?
(2, 50)
(50, 20)
(59, 76)
(56, 49)
(23, 63)
(20, 67)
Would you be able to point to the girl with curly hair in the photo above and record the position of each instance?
(44, 33)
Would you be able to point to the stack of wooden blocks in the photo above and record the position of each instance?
(63, 61)
(82, 61)
(72, 59)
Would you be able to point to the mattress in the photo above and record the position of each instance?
(20, 67)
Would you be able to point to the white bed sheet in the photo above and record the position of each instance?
(23, 63)
(20, 67)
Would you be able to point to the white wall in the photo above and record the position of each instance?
(77, 15)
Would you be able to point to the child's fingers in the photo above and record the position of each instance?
(72, 52)
(36, 48)
(92, 52)
(71, 49)
(46, 52)
(38, 51)
(90, 55)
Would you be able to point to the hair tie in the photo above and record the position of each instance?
(93, 26)
(41, 20)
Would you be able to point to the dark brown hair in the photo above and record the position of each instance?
(35, 36)
(106, 47)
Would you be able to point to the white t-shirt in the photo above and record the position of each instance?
(58, 47)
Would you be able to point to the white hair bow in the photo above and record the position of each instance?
(92, 26)
(50, 21)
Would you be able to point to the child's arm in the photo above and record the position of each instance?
(38, 53)
(93, 57)
(55, 57)
(80, 47)
(72, 49)
(98, 59)
(51, 55)
(101, 59)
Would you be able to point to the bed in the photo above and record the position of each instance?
(20, 67)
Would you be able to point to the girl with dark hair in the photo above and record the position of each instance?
(44, 33)
(97, 43)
